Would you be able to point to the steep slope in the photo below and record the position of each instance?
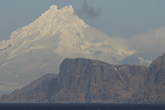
(82, 80)
(39, 91)
(40, 47)
(155, 81)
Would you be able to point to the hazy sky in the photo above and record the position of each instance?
(114, 17)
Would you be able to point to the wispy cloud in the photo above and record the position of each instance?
(149, 44)
(88, 11)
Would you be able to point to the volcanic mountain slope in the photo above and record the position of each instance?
(82, 80)
(40, 47)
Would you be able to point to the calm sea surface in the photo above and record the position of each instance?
(81, 107)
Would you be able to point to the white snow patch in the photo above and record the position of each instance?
(40, 47)
(144, 61)
(115, 69)
(123, 67)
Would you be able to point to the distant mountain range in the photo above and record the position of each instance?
(83, 80)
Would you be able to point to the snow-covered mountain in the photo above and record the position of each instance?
(40, 47)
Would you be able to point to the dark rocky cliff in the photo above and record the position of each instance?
(82, 80)
(155, 81)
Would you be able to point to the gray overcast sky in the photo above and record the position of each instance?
(114, 17)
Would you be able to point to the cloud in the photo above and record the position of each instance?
(143, 61)
(88, 11)
(8, 87)
(135, 59)
(149, 44)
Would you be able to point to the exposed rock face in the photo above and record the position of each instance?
(82, 80)
(155, 81)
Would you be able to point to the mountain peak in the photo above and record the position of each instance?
(53, 7)
(50, 22)
(53, 10)
(68, 9)
(40, 46)
(64, 9)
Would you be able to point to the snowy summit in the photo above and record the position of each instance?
(40, 47)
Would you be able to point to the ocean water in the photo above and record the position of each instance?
(81, 107)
